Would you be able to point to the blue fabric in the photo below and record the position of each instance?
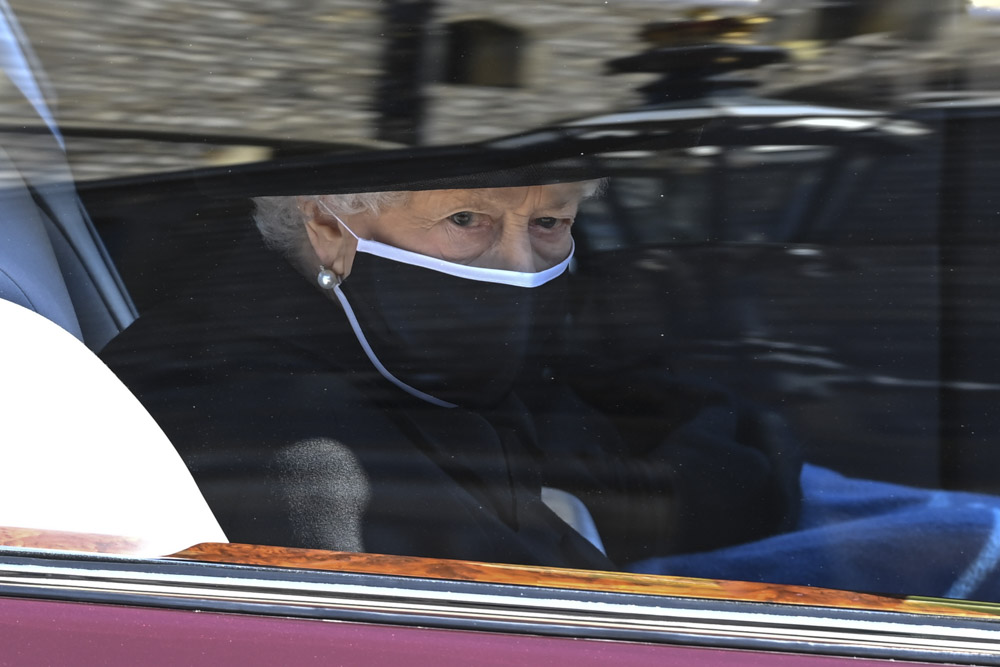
(30, 274)
(868, 536)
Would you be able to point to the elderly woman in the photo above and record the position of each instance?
(377, 380)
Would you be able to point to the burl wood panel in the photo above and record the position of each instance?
(454, 570)
(575, 579)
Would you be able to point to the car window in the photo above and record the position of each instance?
(690, 290)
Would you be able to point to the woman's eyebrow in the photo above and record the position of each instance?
(484, 201)
(561, 204)
(470, 199)
(566, 202)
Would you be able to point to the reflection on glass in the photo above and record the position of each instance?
(787, 262)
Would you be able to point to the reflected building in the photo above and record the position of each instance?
(884, 54)
(437, 71)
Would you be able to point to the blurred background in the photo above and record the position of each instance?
(442, 71)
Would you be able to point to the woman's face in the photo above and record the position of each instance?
(517, 229)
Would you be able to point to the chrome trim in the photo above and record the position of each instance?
(508, 608)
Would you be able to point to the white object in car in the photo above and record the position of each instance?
(80, 454)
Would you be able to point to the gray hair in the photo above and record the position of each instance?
(280, 222)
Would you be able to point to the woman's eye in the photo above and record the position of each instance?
(462, 218)
(546, 223)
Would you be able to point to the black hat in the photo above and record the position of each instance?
(552, 155)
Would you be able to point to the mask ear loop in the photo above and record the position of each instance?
(322, 204)
(329, 280)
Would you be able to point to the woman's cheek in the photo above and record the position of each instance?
(556, 240)
(548, 256)
(462, 247)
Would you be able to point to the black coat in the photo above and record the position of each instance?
(295, 440)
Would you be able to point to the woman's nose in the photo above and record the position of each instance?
(516, 252)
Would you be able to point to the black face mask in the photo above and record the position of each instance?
(450, 334)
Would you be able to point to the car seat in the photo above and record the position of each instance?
(67, 277)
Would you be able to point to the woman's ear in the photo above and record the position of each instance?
(332, 245)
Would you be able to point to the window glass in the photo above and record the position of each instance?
(644, 287)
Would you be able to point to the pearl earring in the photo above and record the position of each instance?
(326, 278)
